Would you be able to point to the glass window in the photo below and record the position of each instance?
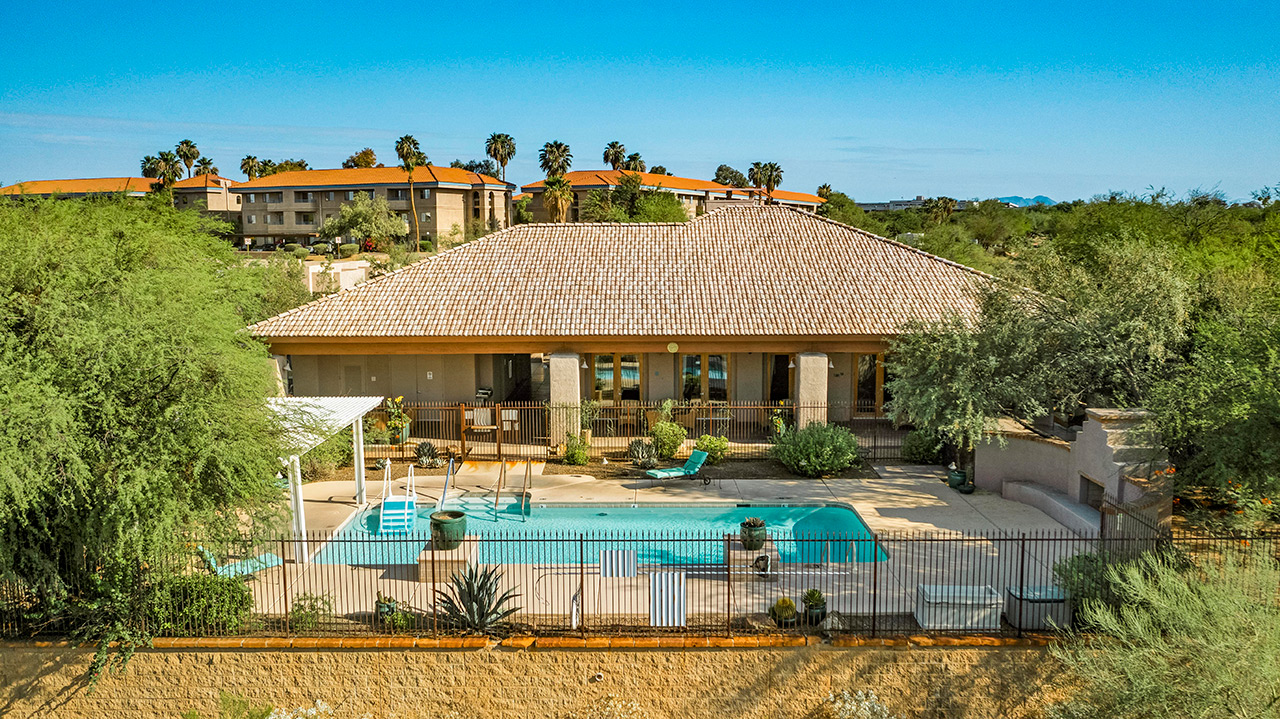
(425, 194)
(865, 384)
(629, 378)
(717, 378)
(691, 377)
(328, 196)
(604, 378)
(705, 377)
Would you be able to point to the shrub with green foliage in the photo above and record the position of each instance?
(921, 446)
(348, 250)
(195, 605)
(641, 452)
(309, 611)
(715, 447)
(321, 462)
(817, 450)
(575, 451)
(302, 253)
(668, 438)
(290, 248)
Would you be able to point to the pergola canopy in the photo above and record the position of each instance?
(309, 421)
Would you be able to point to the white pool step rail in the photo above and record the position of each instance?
(398, 513)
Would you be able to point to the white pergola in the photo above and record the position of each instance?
(309, 421)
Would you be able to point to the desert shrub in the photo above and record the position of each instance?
(817, 450)
(641, 452)
(667, 437)
(428, 456)
(424, 245)
(320, 463)
(575, 451)
(921, 446)
(290, 247)
(309, 610)
(199, 605)
(348, 250)
(715, 447)
(302, 253)
(475, 602)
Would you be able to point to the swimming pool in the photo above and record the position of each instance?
(661, 534)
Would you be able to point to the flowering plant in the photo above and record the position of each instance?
(397, 418)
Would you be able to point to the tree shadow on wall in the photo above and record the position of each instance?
(28, 688)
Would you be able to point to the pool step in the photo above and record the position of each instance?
(397, 517)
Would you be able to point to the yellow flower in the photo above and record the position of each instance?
(400, 398)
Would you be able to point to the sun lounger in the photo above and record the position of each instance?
(690, 468)
(243, 568)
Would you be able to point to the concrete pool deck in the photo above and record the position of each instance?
(904, 498)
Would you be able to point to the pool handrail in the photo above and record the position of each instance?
(444, 493)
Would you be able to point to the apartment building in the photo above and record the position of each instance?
(212, 195)
(697, 196)
(291, 206)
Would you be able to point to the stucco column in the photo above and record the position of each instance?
(357, 442)
(300, 553)
(811, 388)
(566, 395)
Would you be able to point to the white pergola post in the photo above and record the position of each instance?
(301, 555)
(357, 441)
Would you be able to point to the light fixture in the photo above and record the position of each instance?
(791, 364)
(830, 364)
(584, 364)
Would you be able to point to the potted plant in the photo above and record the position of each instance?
(753, 533)
(448, 527)
(397, 419)
(588, 412)
(815, 607)
(385, 606)
(783, 613)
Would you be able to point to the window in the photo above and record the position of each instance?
(237, 199)
(475, 204)
(350, 195)
(328, 196)
(616, 378)
(395, 194)
(253, 220)
(705, 377)
(426, 217)
(273, 197)
(274, 218)
(304, 218)
(781, 377)
(866, 383)
(424, 194)
(304, 197)
(252, 197)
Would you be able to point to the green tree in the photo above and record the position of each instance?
(940, 209)
(634, 163)
(250, 167)
(132, 426)
(629, 202)
(520, 212)
(659, 170)
(205, 166)
(501, 147)
(615, 154)
(841, 208)
(726, 175)
(555, 158)
(557, 197)
(1200, 641)
(995, 226)
(365, 218)
(364, 158)
(411, 158)
(188, 153)
(824, 191)
(766, 175)
(482, 167)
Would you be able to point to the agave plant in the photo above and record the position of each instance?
(472, 602)
(642, 453)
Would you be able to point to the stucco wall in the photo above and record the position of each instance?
(419, 378)
(1023, 458)
(952, 682)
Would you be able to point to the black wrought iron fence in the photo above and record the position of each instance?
(617, 583)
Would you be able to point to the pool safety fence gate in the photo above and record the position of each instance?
(620, 584)
(539, 430)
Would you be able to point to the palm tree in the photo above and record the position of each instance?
(411, 156)
(555, 158)
(204, 166)
(250, 166)
(501, 147)
(659, 170)
(939, 208)
(754, 174)
(615, 154)
(766, 175)
(824, 191)
(188, 153)
(151, 166)
(634, 163)
(557, 196)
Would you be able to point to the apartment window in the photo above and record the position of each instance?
(253, 220)
(616, 377)
(426, 217)
(328, 215)
(705, 377)
(349, 195)
(782, 371)
(252, 197)
(395, 194)
(328, 197)
(304, 218)
(274, 218)
(237, 199)
(304, 197)
(273, 197)
(405, 218)
(424, 194)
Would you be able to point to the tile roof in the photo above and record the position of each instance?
(86, 186)
(371, 176)
(609, 178)
(746, 270)
(198, 181)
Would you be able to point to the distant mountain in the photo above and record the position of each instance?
(1021, 201)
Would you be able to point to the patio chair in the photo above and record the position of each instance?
(244, 568)
(690, 468)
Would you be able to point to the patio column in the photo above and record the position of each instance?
(300, 553)
(811, 388)
(566, 396)
(357, 444)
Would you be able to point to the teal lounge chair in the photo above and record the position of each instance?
(690, 468)
(245, 568)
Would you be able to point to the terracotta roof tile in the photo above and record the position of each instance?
(371, 176)
(197, 181)
(92, 185)
(748, 270)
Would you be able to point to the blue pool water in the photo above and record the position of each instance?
(660, 534)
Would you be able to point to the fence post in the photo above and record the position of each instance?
(1022, 578)
(462, 430)
(497, 430)
(582, 583)
(728, 589)
(875, 578)
(435, 614)
(284, 581)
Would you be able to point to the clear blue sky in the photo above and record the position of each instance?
(881, 100)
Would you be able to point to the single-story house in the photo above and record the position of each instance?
(746, 304)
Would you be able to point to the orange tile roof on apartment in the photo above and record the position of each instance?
(204, 181)
(748, 270)
(84, 186)
(349, 177)
(587, 179)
